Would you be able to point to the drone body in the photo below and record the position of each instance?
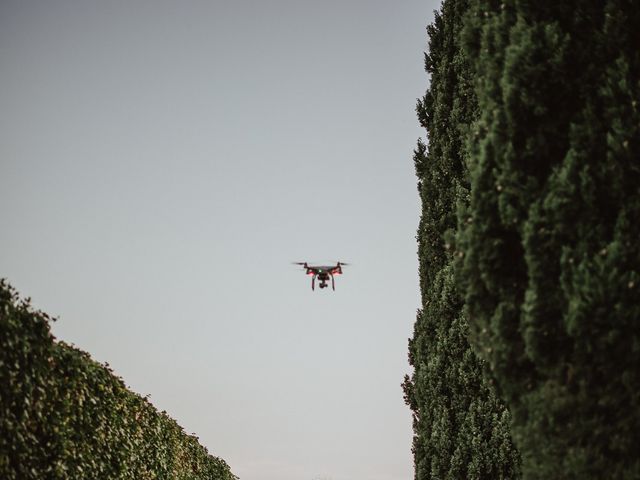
(323, 273)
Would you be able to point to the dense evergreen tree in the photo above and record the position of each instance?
(461, 430)
(550, 241)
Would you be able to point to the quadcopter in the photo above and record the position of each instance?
(322, 273)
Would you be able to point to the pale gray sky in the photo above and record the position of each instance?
(163, 162)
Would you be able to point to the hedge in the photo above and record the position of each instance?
(65, 416)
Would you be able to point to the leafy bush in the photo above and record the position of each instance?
(65, 416)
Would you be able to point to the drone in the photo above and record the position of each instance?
(322, 273)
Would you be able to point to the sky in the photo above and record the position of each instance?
(162, 163)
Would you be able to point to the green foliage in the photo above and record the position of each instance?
(64, 416)
(551, 266)
(461, 429)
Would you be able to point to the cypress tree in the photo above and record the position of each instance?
(551, 259)
(461, 430)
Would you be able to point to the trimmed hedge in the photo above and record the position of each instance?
(65, 416)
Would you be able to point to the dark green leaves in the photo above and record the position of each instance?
(550, 255)
(461, 429)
